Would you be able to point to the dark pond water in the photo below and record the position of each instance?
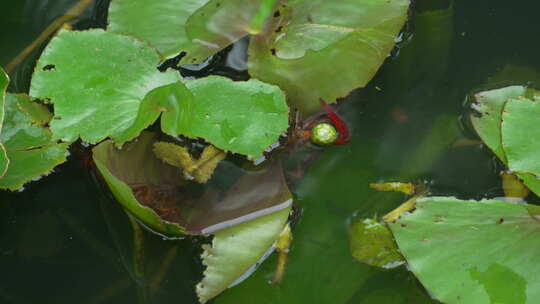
(63, 240)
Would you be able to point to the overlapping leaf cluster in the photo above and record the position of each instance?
(507, 122)
(296, 44)
(104, 85)
(27, 149)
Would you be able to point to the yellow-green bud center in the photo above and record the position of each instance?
(324, 134)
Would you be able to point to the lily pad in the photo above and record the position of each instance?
(505, 122)
(162, 23)
(156, 193)
(4, 81)
(521, 134)
(487, 121)
(235, 250)
(96, 80)
(28, 142)
(472, 251)
(308, 41)
(244, 117)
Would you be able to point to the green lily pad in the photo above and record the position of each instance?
(4, 81)
(372, 243)
(157, 194)
(28, 142)
(162, 23)
(521, 134)
(96, 80)
(243, 117)
(235, 250)
(472, 251)
(487, 121)
(308, 41)
(506, 123)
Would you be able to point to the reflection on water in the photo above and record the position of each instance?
(396, 122)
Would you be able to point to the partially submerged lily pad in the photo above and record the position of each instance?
(372, 243)
(155, 192)
(235, 250)
(472, 251)
(244, 117)
(28, 142)
(96, 80)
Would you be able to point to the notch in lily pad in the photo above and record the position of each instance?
(243, 117)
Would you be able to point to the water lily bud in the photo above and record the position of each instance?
(324, 134)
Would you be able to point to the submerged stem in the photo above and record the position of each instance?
(73, 12)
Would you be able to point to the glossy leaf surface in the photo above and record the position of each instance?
(241, 117)
(158, 195)
(470, 251)
(28, 143)
(233, 251)
(96, 81)
(306, 42)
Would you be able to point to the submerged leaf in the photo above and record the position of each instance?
(307, 41)
(108, 76)
(235, 250)
(155, 192)
(372, 243)
(472, 251)
(201, 169)
(512, 186)
(27, 142)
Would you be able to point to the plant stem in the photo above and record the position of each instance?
(73, 12)
(138, 258)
